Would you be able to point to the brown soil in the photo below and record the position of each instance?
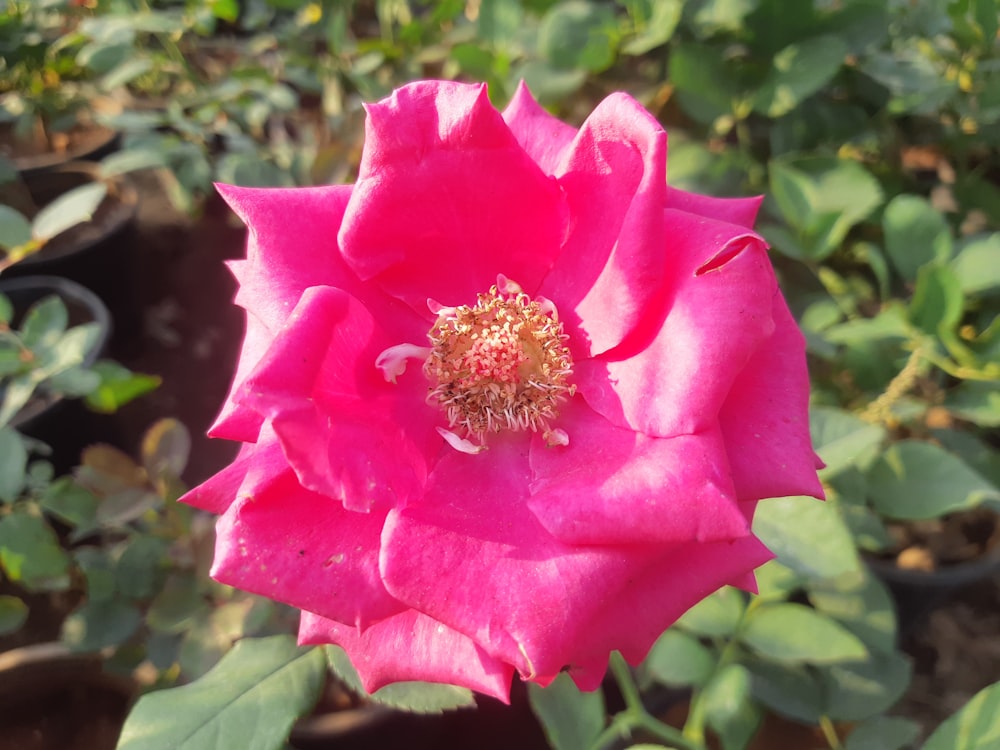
(937, 543)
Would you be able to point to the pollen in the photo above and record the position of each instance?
(501, 364)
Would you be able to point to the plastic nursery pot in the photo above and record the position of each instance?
(919, 584)
(341, 720)
(63, 424)
(87, 140)
(55, 699)
(99, 253)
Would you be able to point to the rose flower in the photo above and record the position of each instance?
(507, 402)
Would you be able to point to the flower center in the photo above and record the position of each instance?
(501, 364)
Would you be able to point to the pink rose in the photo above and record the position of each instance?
(509, 401)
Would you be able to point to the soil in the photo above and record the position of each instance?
(189, 333)
(939, 543)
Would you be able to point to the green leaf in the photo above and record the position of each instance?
(249, 700)
(976, 726)
(72, 208)
(842, 440)
(415, 697)
(790, 690)
(44, 322)
(577, 35)
(98, 624)
(797, 72)
(915, 234)
(795, 633)
(861, 690)
(717, 615)
(165, 448)
(977, 401)
(571, 719)
(118, 386)
(13, 464)
(937, 300)
(140, 569)
(705, 87)
(679, 659)
(13, 613)
(728, 707)
(883, 733)
(132, 160)
(977, 264)
(807, 535)
(15, 230)
(30, 553)
(6, 309)
(176, 606)
(657, 30)
(917, 480)
(862, 605)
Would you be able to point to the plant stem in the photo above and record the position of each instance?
(830, 733)
(880, 410)
(635, 716)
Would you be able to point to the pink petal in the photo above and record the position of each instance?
(411, 646)
(295, 546)
(718, 313)
(472, 555)
(219, 492)
(610, 275)
(446, 199)
(765, 418)
(739, 211)
(292, 246)
(656, 596)
(348, 433)
(615, 486)
(543, 136)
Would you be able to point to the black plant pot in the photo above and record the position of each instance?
(65, 425)
(99, 254)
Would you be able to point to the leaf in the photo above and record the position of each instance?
(705, 87)
(937, 300)
(788, 689)
(140, 569)
(99, 624)
(977, 264)
(807, 535)
(571, 719)
(415, 697)
(13, 613)
(15, 230)
(861, 690)
(918, 480)
(842, 440)
(717, 615)
(30, 553)
(976, 726)
(915, 234)
(165, 448)
(729, 708)
(679, 659)
(976, 401)
(883, 733)
(118, 386)
(44, 322)
(662, 23)
(70, 503)
(132, 160)
(72, 208)
(797, 72)
(576, 35)
(249, 700)
(13, 464)
(795, 633)
(862, 605)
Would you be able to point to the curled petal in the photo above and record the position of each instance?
(739, 211)
(610, 274)
(718, 314)
(543, 136)
(424, 222)
(771, 398)
(649, 490)
(411, 646)
(347, 432)
(287, 543)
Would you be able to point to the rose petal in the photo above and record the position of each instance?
(765, 418)
(719, 313)
(446, 199)
(295, 546)
(654, 598)
(219, 492)
(291, 246)
(543, 136)
(647, 489)
(611, 271)
(739, 211)
(347, 432)
(411, 646)
(471, 555)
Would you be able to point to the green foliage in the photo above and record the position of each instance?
(571, 718)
